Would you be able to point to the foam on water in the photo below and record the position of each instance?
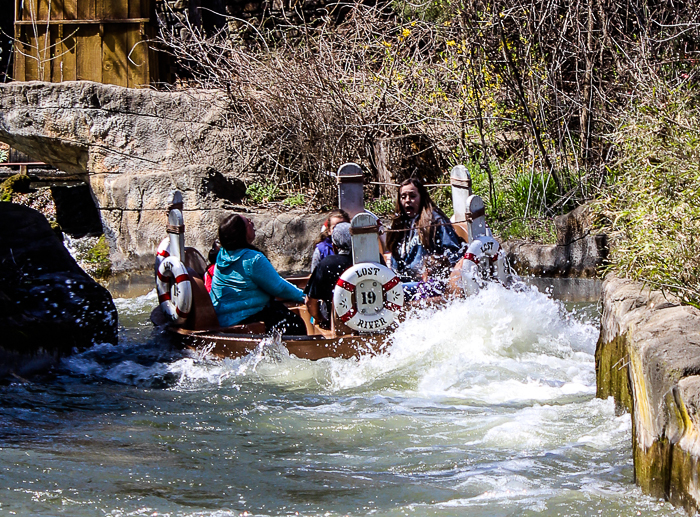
(498, 347)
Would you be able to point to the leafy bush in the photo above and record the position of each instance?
(532, 193)
(295, 200)
(651, 213)
(382, 206)
(259, 192)
(17, 183)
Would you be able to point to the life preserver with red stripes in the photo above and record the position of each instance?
(174, 289)
(163, 252)
(484, 261)
(368, 297)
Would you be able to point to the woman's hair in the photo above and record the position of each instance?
(326, 232)
(232, 233)
(426, 229)
(214, 251)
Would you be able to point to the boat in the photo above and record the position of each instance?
(368, 300)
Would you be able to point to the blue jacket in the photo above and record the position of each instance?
(323, 249)
(244, 282)
(411, 253)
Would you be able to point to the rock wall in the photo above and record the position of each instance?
(648, 359)
(579, 251)
(135, 147)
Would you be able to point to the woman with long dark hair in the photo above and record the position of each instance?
(421, 235)
(245, 284)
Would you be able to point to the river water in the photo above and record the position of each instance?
(486, 407)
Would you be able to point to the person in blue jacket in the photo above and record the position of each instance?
(245, 284)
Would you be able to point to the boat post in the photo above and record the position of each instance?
(461, 182)
(176, 226)
(351, 197)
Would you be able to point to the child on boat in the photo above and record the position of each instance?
(323, 246)
(421, 231)
(245, 285)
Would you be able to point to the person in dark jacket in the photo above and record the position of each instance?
(320, 288)
(420, 235)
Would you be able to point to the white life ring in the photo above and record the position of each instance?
(483, 261)
(368, 297)
(174, 289)
(163, 252)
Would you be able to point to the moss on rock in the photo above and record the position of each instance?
(17, 183)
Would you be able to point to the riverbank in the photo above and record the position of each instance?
(648, 359)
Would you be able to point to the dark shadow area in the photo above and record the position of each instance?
(76, 211)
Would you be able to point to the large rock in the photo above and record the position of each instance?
(579, 251)
(49, 307)
(137, 146)
(648, 359)
(90, 127)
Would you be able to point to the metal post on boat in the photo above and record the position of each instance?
(364, 229)
(476, 217)
(176, 226)
(461, 182)
(351, 189)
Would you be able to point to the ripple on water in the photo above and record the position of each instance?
(484, 407)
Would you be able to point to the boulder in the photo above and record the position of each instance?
(82, 126)
(648, 359)
(137, 146)
(49, 307)
(579, 251)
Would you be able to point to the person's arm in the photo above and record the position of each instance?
(265, 277)
(315, 259)
(314, 307)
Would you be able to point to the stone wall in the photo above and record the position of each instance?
(648, 359)
(579, 250)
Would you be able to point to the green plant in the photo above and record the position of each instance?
(531, 193)
(442, 196)
(99, 256)
(651, 213)
(259, 192)
(381, 206)
(4, 155)
(295, 200)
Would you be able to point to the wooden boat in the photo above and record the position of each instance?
(188, 314)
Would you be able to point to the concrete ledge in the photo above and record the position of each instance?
(648, 359)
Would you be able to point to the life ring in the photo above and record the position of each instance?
(174, 289)
(368, 297)
(163, 252)
(483, 261)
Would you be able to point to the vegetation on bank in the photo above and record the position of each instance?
(548, 108)
(651, 208)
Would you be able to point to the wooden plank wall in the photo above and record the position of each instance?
(94, 40)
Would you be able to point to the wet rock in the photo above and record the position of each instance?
(579, 251)
(648, 359)
(49, 307)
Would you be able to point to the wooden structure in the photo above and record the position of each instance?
(95, 40)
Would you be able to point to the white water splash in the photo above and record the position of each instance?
(498, 347)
